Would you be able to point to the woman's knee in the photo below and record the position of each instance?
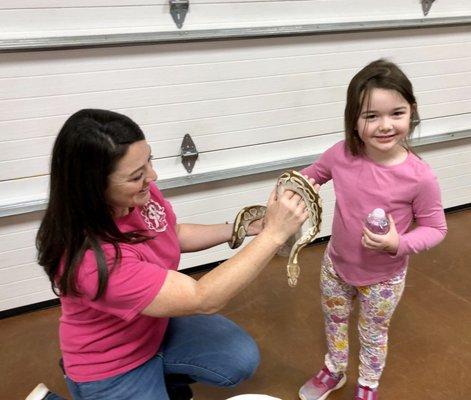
(246, 361)
(242, 356)
(230, 364)
(216, 350)
(241, 353)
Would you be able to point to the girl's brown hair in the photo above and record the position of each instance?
(380, 74)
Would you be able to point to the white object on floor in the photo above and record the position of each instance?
(38, 393)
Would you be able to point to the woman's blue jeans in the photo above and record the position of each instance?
(203, 348)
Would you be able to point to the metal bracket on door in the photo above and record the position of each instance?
(426, 6)
(178, 10)
(189, 153)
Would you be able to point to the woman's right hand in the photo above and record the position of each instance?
(284, 216)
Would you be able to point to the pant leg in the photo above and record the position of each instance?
(145, 382)
(377, 305)
(209, 349)
(337, 300)
(53, 396)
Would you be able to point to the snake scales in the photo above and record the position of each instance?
(294, 181)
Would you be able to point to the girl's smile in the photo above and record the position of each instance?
(384, 138)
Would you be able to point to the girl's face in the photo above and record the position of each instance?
(384, 123)
(128, 184)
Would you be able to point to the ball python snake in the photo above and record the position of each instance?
(294, 181)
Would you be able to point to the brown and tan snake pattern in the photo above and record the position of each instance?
(294, 181)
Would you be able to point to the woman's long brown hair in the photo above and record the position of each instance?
(77, 218)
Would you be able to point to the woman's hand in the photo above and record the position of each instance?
(255, 227)
(388, 242)
(285, 214)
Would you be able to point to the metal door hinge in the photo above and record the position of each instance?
(178, 10)
(189, 153)
(426, 6)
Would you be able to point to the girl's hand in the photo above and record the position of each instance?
(313, 183)
(388, 242)
(257, 226)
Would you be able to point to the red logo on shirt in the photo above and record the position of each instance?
(154, 216)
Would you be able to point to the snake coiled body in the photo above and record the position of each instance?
(294, 181)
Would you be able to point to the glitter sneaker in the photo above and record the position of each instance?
(321, 385)
(365, 393)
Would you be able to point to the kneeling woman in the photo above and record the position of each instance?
(132, 326)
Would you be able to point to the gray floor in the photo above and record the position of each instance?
(430, 337)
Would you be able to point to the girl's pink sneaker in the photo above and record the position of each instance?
(365, 393)
(321, 385)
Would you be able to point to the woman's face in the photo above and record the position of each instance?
(128, 184)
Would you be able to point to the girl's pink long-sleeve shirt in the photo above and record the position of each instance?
(408, 191)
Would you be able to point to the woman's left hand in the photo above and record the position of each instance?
(255, 227)
(388, 242)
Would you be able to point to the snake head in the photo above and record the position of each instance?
(293, 274)
(292, 282)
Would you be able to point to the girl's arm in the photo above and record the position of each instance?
(321, 169)
(430, 221)
(430, 225)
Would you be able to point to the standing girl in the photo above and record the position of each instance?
(372, 168)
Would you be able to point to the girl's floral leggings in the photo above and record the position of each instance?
(377, 305)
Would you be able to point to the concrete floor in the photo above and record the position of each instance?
(430, 337)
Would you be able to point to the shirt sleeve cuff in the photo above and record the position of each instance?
(402, 249)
